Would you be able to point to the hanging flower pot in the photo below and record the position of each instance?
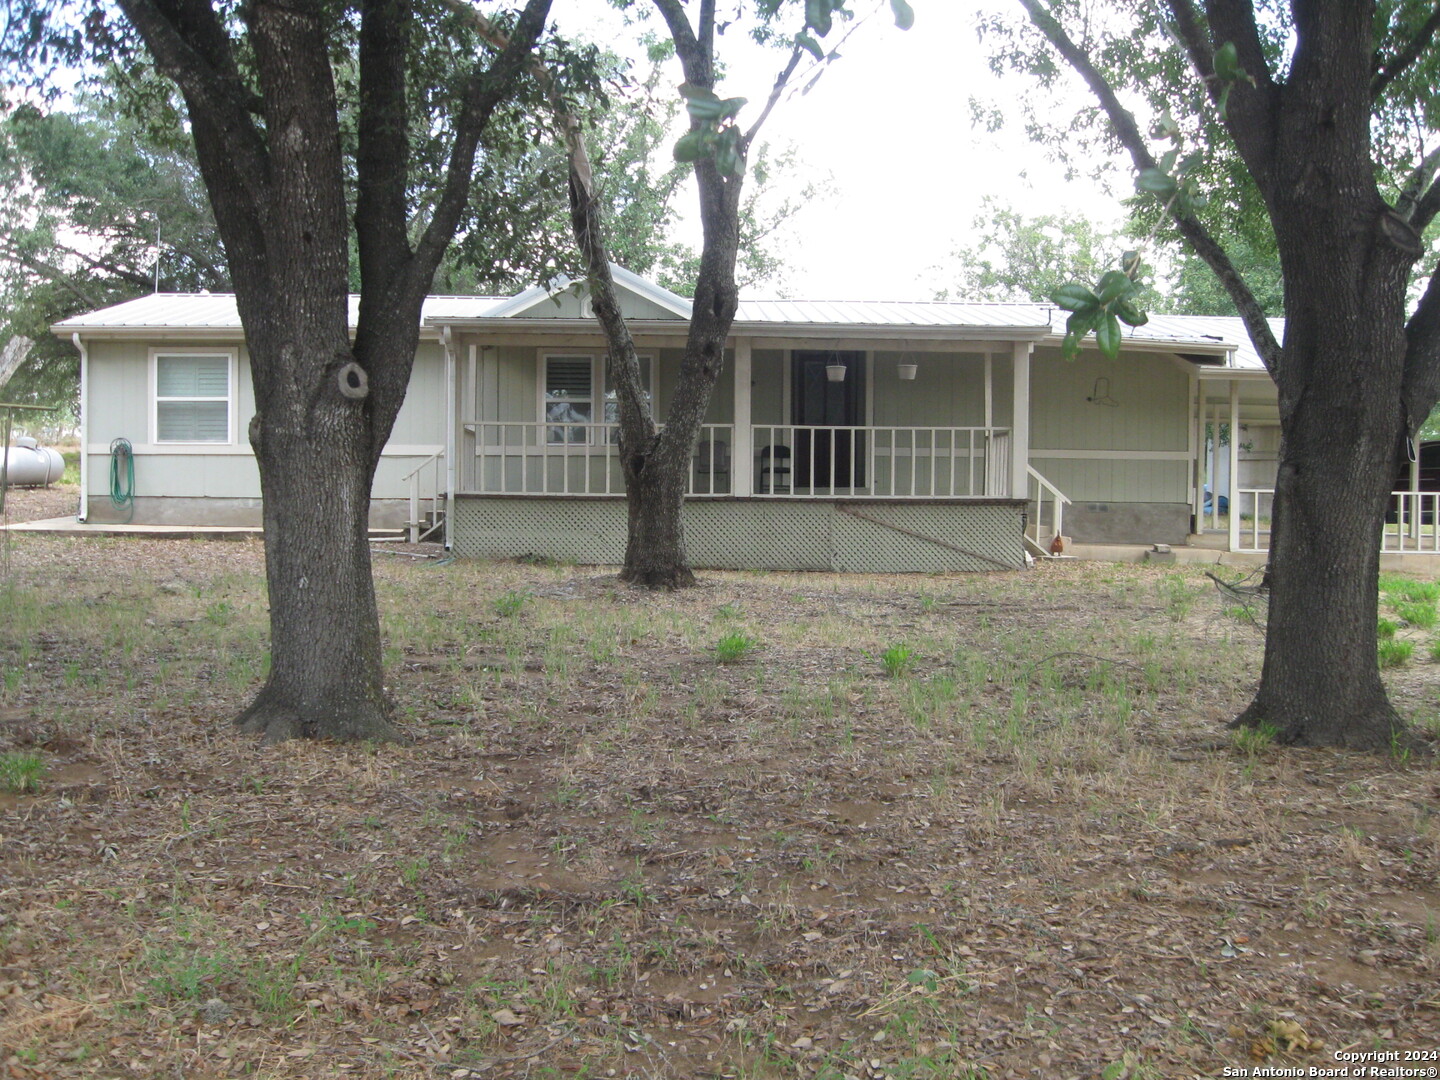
(907, 371)
(835, 372)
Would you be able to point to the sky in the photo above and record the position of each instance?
(890, 124)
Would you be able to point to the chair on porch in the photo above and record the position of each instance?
(774, 470)
(712, 465)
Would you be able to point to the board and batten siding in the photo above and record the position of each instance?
(948, 390)
(1111, 430)
(120, 405)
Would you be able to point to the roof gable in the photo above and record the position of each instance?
(565, 298)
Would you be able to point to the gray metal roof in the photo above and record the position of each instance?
(195, 312)
(217, 311)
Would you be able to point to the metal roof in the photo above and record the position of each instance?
(217, 311)
(196, 312)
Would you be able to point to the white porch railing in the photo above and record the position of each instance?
(1047, 494)
(1412, 523)
(789, 461)
(806, 461)
(426, 485)
(526, 458)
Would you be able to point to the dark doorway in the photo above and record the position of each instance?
(828, 459)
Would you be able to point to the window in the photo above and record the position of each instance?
(192, 398)
(569, 398)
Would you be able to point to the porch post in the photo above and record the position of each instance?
(1197, 441)
(1414, 500)
(1234, 485)
(742, 457)
(1020, 420)
(447, 343)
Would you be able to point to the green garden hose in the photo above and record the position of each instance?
(122, 477)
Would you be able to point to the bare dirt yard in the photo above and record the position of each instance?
(780, 825)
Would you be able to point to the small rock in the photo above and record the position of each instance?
(505, 1018)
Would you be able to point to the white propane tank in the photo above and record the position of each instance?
(28, 464)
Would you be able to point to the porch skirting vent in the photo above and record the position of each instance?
(841, 535)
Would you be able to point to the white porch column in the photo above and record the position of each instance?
(447, 343)
(742, 456)
(84, 511)
(1234, 484)
(1020, 420)
(1197, 445)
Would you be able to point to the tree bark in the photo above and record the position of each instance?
(324, 407)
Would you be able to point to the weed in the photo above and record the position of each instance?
(897, 660)
(20, 772)
(508, 605)
(1403, 588)
(1386, 628)
(1254, 741)
(735, 646)
(1419, 613)
(1393, 652)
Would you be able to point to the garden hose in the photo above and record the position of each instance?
(122, 477)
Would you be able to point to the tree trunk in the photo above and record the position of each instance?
(655, 556)
(316, 469)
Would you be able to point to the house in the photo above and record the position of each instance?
(859, 436)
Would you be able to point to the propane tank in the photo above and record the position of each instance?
(28, 464)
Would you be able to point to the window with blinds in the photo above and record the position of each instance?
(569, 398)
(192, 398)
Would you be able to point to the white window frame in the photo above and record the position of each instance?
(231, 398)
(598, 390)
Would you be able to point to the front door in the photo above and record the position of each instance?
(828, 458)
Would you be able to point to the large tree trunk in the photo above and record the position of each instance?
(655, 556)
(326, 675)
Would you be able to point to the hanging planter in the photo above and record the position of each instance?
(907, 371)
(835, 372)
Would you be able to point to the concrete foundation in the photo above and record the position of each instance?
(230, 513)
(1128, 523)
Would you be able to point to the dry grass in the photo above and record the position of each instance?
(1031, 851)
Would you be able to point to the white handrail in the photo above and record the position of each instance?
(1058, 501)
(412, 479)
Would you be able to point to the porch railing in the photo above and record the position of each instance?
(1047, 495)
(1412, 522)
(788, 461)
(426, 486)
(526, 458)
(805, 461)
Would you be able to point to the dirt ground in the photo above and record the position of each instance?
(781, 825)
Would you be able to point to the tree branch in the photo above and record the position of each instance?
(781, 82)
(382, 146)
(1421, 387)
(1387, 72)
(1417, 209)
(487, 88)
(695, 59)
(1128, 132)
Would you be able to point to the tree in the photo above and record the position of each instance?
(1020, 259)
(99, 211)
(655, 461)
(269, 97)
(1325, 108)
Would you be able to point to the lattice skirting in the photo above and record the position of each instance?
(847, 536)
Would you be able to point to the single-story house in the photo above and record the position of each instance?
(864, 436)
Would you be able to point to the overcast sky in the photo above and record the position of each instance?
(890, 122)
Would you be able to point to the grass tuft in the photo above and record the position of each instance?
(1394, 652)
(735, 646)
(897, 660)
(20, 772)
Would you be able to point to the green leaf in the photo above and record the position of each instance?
(730, 107)
(1224, 101)
(1227, 63)
(904, 14)
(1129, 314)
(1114, 285)
(1108, 336)
(1156, 183)
(1073, 296)
(690, 147)
(1070, 346)
(817, 16)
(810, 45)
(1082, 322)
